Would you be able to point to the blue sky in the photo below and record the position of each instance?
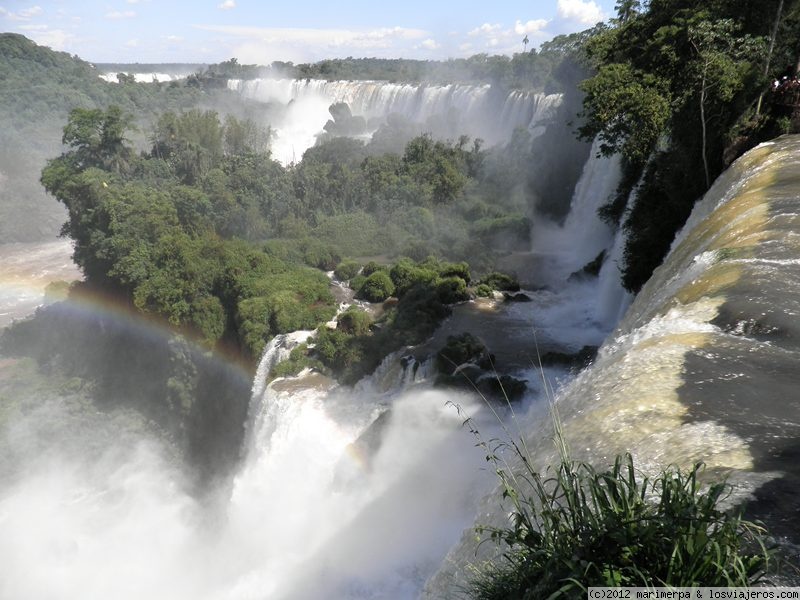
(257, 31)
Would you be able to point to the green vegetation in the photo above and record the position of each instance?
(358, 345)
(346, 270)
(576, 527)
(40, 88)
(376, 288)
(680, 90)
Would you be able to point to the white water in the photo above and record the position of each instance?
(323, 507)
(25, 271)
(583, 235)
(461, 109)
(142, 77)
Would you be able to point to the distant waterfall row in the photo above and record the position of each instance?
(478, 111)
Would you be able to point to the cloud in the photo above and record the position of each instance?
(534, 26)
(497, 39)
(266, 44)
(132, 43)
(585, 13)
(120, 14)
(23, 15)
(57, 39)
(173, 38)
(486, 29)
(430, 44)
(227, 5)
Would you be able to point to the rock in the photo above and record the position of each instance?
(573, 360)
(590, 269)
(518, 297)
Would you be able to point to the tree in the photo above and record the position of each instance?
(720, 58)
(97, 137)
(525, 41)
(628, 109)
(627, 9)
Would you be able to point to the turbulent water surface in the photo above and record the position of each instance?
(451, 110)
(354, 493)
(704, 365)
(25, 271)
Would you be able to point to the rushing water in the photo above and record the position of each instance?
(25, 271)
(478, 111)
(353, 493)
(343, 492)
(703, 366)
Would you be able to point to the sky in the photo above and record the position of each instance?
(260, 32)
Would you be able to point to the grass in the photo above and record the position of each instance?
(574, 527)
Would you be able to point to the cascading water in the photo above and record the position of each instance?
(473, 110)
(703, 366)
(376, 482)
(343, 493)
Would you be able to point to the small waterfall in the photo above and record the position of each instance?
(467, 109)
(613, 299)
(703, 366)
(277, 350)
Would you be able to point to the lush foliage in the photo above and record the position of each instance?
(40, 88)
(357, 346)
(577, 527)
(677, 91)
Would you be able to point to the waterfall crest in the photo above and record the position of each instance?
(478, 111)
(703, 365)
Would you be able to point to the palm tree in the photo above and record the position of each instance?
(525, 41)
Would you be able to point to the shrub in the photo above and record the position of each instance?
(377, 287)
(501, 281)
(578, 527)
(371, 267)
(460, 349)
(356, 282)
(346, 270)
(483, 291)
(406, 274)
(455, 270)
(298, 360)
(451, 290)
(355, 321)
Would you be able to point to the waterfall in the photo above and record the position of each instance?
(347, 493)
(583, 235)
(462, 109)
(703, 365)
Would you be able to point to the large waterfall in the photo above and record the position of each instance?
(704, 364)
(478, 111)
(373, 491)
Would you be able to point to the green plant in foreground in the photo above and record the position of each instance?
(575, 527)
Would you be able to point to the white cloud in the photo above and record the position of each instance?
(486, 29)
(33, 27)
(132, 43)
(30, 12)
(264, 44)
(430, 44)
(534, 26)
(120, 14)
(227, 5)
(173, 38)
(57, 39)
(23, 15)
(585, 13)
